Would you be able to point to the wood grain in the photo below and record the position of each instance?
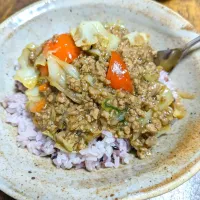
(190, 9)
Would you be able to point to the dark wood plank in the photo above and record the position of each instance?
(3, 196)
(8, 7)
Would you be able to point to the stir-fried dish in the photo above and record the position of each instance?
(97, 78)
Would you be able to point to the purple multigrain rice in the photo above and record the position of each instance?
(99, 154)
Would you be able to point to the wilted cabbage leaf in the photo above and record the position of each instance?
(57, 76)
(179, 110)
(137, 39)
(27, 74)
(33, 94)
(89, 33)
(68, 68)
(166, 99)
(147, 118)
(56, 73)
(41, 60)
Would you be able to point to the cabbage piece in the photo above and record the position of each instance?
(94, 52)
(76, 97)
(89, 33)
(179, 110)
(33, 97)
(137, 39)
(41, 60)
(163, 131)
(146, 119)
(89, 79)
(72, 71)
(186, 95)
(113, 42)
(31, 47)
(151, 77)
(49, 134)
(69, 141)
(56, 73)
(33, 94)
(166, 99)
(27, 75)
(68, 68)
(57, 77)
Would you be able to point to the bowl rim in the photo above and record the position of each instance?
(162, 189)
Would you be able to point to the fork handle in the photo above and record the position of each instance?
(189, 45)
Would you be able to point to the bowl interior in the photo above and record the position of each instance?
(175, 152)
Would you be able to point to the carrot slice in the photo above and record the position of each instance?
(43, 87)
(63, 47)
(118, 73)
(38, 106)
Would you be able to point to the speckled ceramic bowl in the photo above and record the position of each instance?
(176, 157)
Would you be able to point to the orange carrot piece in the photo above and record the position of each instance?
(63, 47)
(43, 87)
(38, 106)
(118, 73)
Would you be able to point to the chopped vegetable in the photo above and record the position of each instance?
(146, 119)
(43, 87)
(166, 99)
(89, 33)
(56, 72)
(76, 97)
(37, 106)
(94, 52)
(108, 107)
(137, 39)
(68, 68)
(90, 79)
(151, 77)
(113, 42)
(43, 70)
(186, 95)
(163, 131)
(61, 143)
(63, 47)
(33, 94)
(57, 77)
(40, 61)
(120, 114)
(31, 47)
(88, 137)
(27, 75)
(72, 71)
(179, 110)
(118, 73)
(48, 133)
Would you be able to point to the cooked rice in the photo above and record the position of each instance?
(109, 152)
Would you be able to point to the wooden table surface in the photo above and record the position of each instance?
(190, 9)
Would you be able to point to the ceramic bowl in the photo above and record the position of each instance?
(174, 159)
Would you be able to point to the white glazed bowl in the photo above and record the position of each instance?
(176, 157)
